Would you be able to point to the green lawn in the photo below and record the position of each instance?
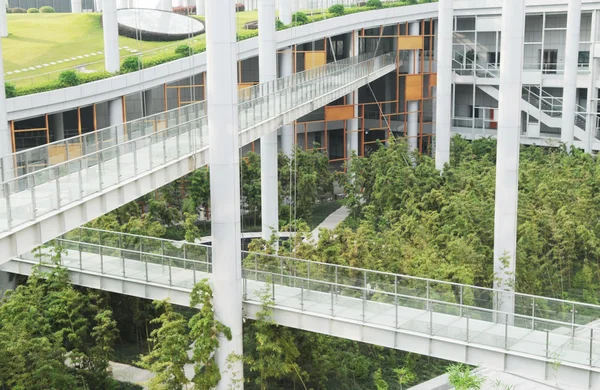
(36, 39)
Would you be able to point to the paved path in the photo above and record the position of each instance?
(332, 221)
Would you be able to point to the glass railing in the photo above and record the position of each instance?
(562, 331)
(109, 157)
(35, 159)
(272, 99)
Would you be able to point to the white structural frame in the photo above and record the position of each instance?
(444, 83)
(571, 70)
(507, 160)
(267, 62)
(222, 109)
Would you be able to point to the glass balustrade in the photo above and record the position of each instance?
(558, 330)
(106, 158)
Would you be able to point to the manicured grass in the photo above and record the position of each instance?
(36, 39)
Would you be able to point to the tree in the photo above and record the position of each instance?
(199, 189)
(205, 331)
(380, 383)
(251, 184)
(272, 353)
(461, 377)
(52, 335)
(169, 353)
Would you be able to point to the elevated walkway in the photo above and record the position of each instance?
(544, 339)
(104, 170)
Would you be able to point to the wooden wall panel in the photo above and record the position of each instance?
(339, 113)
(414, 87)
(433, 80)
(410, 42)
(314, 59)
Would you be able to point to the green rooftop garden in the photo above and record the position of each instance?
(71, 36)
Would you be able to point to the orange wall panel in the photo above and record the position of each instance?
(314, 59)
(410, 42)
(414, 87)
(339, 113)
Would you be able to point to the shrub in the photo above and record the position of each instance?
(69, 78)
(246, 34)
(10, 90)
(337, 10)
(33, 11)
(240, 7)
(279, 25)
(131, 64)
(374, 3)
(46, 10)
(184, 50)
(299, 18)
(18, 10)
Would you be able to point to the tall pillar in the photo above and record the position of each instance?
(286, 68)
(507, 160)
(267, 64)
(413, 105)
(115, 117)
(58, 125)
(352, 98)
(3, 22)
(76, 6)
(5, 135)
(444, 84)
(570, 83)
(222, 107)
(166, 5)
(112, 62)
(200, 7)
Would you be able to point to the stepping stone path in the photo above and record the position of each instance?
(66, 60)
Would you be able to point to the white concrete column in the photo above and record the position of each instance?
(112, 62)
(413, 105)
(115, 117)
(570, 83)
(352, 140)
(3, 23)
(507, 161)
(166, 5)
(76, 6)
(286, 68)
(200, 7)
(444, 84)
(222, 107)
(267, 64)
(58, 125)
(5, 136)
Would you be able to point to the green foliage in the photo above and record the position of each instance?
(53, 336)
(279, 25)
(379, 382)
(169, 352)
(46, 10)
(131, 64)
(461, 377)
(374, 3)
(299, 18)
(337, 9)
(246, 34)
(271, 352)
(69, 78)
(184, 50)
(205, 331)
(33, 11)
(199, 189)
(10, 90)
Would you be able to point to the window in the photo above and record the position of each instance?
(584, 58)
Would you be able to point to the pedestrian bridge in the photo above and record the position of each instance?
(544, 338)
(55, 188)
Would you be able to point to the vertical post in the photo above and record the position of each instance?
(200, 7)
(352, 98)
(461, 300)
(396, 298)
(110, 28)
(413, 105)
(533, 313)
(506, 331)
(331, 293)
(467, 329)
(286, 68)
(507, 163)
(591, 347)
(222, 110)
(364, 303)
(570, 75)
(444, 84)
(267, 48)
(547, 344)
(170, 275)
(3, 22)
(573, 319)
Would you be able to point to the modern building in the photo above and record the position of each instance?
(524, 71)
